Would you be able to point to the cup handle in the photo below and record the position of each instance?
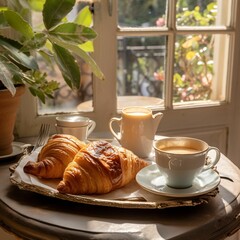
(111, 128)
(91, 126)
(211, 162)
(158, 115)
(156, 120)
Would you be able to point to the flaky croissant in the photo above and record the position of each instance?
(100, 168)
(54, 157)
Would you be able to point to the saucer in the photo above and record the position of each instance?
(17, 150)
(151, 179)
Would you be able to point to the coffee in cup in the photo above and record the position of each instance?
(181, 159)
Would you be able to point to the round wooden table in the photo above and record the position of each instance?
(34, 216)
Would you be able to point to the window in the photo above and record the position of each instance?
(169, 55)
(172, 51)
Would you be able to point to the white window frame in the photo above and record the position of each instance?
(105, 97)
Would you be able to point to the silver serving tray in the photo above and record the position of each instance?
(130, 196)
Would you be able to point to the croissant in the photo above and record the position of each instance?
(100, 168)
(54, 157)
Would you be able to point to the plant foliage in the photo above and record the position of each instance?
(60, 41)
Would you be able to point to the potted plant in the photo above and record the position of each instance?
(58, 40)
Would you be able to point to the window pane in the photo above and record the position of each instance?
(141, 65)
(200, 68)
(66, 99)
(141, 13)
(203, 12)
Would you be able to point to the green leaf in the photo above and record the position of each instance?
(6, 74)
(36, 5)
(40, 86)
(82, 54)
(68, 66)
(87, 46)
(84, 17)
(16, 21)
(10, 41)
(18, 57)
(18, 5)
(3, 22)
(2, 8)
(38, 41)
(46, 56)
(38, 93)
(55, 10)
(73, 33)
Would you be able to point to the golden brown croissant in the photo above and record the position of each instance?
(100, 168)
(55, 156)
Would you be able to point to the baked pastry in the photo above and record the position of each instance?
(54, 157)
(100, 168)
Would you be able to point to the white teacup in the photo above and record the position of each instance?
(137, 129)
(181, 159)
(78, 126)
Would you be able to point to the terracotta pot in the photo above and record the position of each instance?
(8, 110)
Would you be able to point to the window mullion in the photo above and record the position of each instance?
(171, 12)
(171, 24)
(169, 71)
(105, 54)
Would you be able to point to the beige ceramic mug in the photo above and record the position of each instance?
(181, 159)
(137, 129)
(78, 126)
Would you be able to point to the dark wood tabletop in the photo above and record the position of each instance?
(34, 216)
